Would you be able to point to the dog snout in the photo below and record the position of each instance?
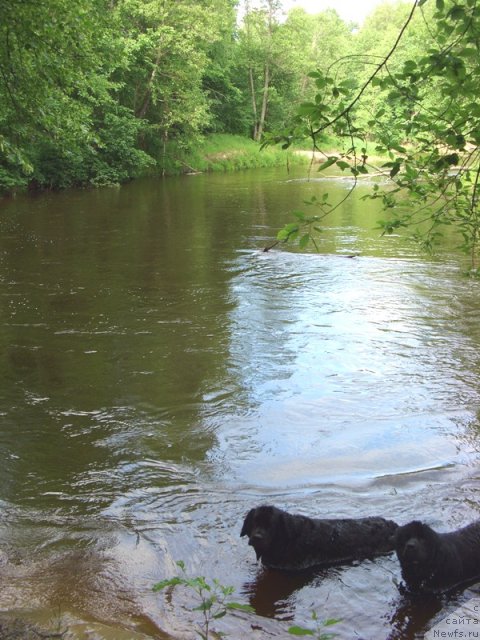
(256, 537)
(411, 547)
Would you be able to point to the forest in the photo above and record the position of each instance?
(97, 92)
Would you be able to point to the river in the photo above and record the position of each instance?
(161, 375)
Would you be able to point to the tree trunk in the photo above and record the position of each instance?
(148, 91)
(263, 113)
(254, 104)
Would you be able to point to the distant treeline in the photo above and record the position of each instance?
(100, 91)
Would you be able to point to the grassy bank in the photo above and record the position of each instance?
(215, 152)
(224, 152)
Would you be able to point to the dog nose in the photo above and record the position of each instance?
(411, 548)
(255, 537)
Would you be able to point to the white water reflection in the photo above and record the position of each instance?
(351, 370)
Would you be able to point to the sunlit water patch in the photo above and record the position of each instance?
(351, 370)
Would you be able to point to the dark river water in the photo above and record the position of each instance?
(161, 375)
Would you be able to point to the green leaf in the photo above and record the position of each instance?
(328, 163)
(304, 240)
(307, 109)
(331, 621)
(398, 147)
(300, 215)
(440, 4)
(395, 169)
(456, 12)
(240, 607)
(197, 583)
(288, 231)
(321, 83)
(300, 631)
(206, 604)
(349, 83)
(172, 582)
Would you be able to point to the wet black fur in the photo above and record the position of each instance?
(290, 541)
(432, 561)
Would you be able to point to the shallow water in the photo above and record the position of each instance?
(161, 375)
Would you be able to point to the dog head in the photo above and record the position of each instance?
(260, 525)
(416, 544)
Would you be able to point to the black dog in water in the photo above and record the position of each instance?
(432, 561)
(286, 541)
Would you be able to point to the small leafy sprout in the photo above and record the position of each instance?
(318, 631)
(214, 598)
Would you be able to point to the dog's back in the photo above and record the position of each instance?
(464, 546)
(292, 541)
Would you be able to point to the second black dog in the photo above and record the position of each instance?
(290, 541)
(432, 561)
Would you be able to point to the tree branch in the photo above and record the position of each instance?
(377, 70)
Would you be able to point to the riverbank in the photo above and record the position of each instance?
(224, 152)
(213, 153)
(216, 152)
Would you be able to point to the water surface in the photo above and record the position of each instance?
(161, 375)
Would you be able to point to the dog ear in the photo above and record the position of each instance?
(429, 536)
(248, 523)
(279, 524)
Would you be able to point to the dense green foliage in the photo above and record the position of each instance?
(99, 91)
(416, 101)
(60, 121)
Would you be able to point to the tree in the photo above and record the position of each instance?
(258, 43)
(275, 56)
(435, 170)
(59, 123)
(314, 42)
(168, 44)
(220, 84)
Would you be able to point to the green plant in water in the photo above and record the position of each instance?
(215, 603)
(318, 631)
(214, 599)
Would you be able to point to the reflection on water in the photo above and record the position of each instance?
(161, 375)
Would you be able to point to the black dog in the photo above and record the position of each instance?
(432, 561)
(286, 541)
